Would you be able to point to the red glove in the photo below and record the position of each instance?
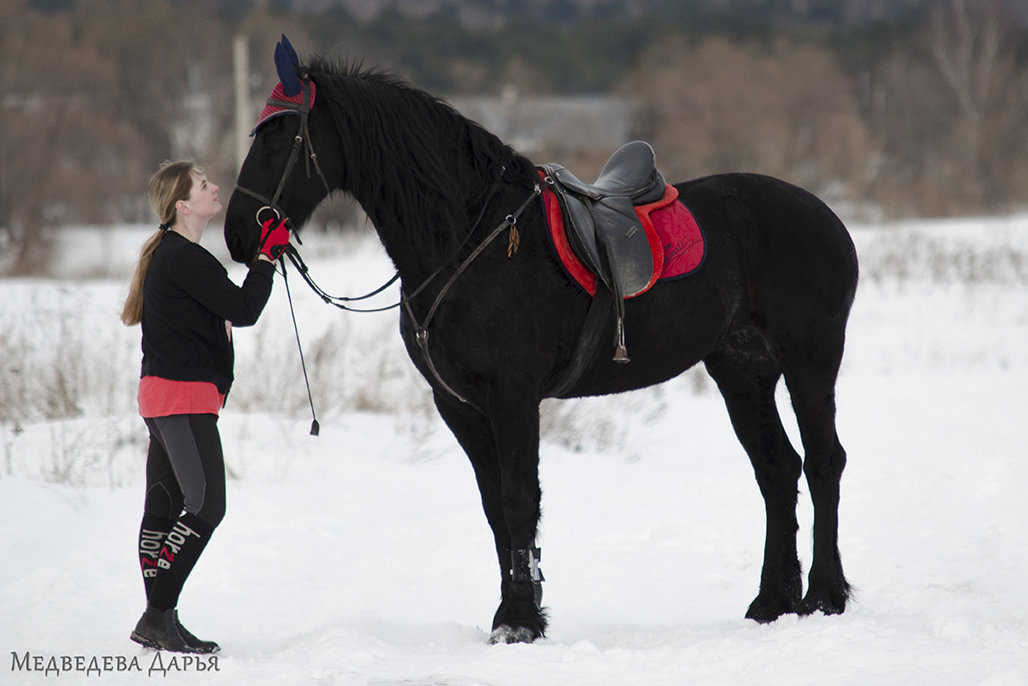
(274, 238)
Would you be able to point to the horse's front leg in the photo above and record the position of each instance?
(515, 420)
(510, 498)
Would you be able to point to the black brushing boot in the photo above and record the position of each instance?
(158, 629)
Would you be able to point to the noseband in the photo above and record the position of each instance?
(302, 139)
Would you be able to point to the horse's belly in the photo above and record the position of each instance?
(667, 331)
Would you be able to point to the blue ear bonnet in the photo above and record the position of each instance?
(289, 89)
(286, 64)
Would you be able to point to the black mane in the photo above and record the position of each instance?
(409, 157)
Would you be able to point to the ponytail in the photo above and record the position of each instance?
(172, 182)
(132, 312)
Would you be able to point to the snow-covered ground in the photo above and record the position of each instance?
(362, 556)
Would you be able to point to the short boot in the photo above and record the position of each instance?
(200, 645)
(158, 629)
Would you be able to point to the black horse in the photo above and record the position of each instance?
(492, 332)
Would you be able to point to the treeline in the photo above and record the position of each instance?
(917, 111)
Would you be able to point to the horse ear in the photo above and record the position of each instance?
(290, 52)
(286, 64)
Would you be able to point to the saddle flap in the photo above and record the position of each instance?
(579, 218)
(634, 258)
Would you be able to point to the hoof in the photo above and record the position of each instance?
(829, 602)
(507, 634)
(766, 610)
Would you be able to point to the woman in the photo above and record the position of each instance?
(187, 306)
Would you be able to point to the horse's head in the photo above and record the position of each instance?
(281, 175)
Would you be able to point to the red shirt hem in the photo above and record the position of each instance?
(163, 397)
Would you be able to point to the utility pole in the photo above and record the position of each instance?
(244, 118)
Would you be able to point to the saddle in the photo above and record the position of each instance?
(604, 228)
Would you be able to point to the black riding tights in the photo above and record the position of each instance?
(185, 470)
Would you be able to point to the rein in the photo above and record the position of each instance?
(420, 329)
(338, 300)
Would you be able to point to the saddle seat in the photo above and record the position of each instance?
(631, 171)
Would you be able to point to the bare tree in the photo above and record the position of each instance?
(784, 110)
(955, 111)
(171, 75)
(59, 155)
(91, 100)
(973, 49)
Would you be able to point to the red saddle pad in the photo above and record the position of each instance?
(675, 237)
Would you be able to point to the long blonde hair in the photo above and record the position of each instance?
(172, 182)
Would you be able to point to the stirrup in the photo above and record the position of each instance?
(620, 351)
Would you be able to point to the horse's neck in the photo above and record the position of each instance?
(425, 213)
(401, 250)
(405, 242)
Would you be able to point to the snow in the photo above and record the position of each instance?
(362, 557)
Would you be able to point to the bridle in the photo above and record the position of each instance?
(303, 140)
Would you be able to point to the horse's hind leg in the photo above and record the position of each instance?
(812, 387)
(746, 375)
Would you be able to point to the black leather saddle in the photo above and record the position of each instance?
(600, 218)
(602, 226)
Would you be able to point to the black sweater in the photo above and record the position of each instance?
(187, 298)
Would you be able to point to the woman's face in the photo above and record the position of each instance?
(203, 197)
